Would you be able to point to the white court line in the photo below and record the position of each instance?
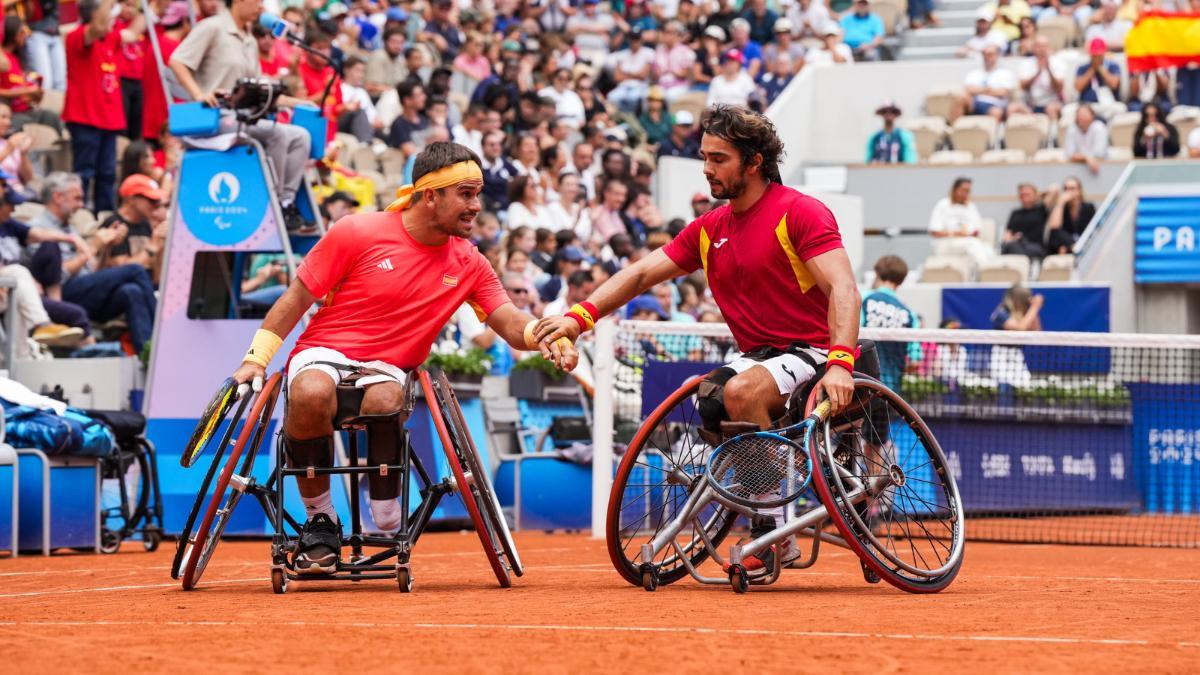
(559, 628)
(266, 562)
(107, 589)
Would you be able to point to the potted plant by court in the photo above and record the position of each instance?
(533, 377)
(464, 368)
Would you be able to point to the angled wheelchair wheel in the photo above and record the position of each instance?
(226, 497)
(663, 464)
(472, 462)
(183, 544)
(471, 487)
(908, 528)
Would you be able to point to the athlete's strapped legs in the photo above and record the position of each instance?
(383, 447)
(311, 405)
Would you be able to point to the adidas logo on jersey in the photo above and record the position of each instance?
(386, 265)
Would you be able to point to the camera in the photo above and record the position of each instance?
(254, 98)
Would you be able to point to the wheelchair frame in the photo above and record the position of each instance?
(193, 555)
(146, 517)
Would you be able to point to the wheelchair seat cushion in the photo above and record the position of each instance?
(126, 425)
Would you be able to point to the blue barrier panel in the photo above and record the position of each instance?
(1165, 250)
(8, 488)
(555, 494)
(662, 378)
(1168, 455)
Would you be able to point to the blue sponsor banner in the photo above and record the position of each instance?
(226, 198)
(1165, 249)
(661, 378)
(1166, 440)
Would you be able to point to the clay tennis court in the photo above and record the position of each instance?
(1014, 608)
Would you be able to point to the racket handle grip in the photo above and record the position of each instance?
(822, 409)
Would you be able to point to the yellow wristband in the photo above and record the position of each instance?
(581, 311)
(262, 348)
(530, 343)
(841, 355)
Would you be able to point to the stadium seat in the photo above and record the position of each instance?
(939, 101)
(1120, 154)
(52, 101)
(973, 133)
(1009, 156)
(928, 132)
(28, 211)
(951, 157)
(381, 187)
(692, 101)
(84, 222)
(1060, 31)
(392, 162)
(1057, 267)
(1121, 128)
(349, 143)
(1026, 133)
(1005, 269)
(1050, 155)
(890, 12)
(945, 270)
(363, 159)
(1185, 118)
(1065, 119)
(988, 232)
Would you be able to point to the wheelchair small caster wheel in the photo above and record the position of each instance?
(738, 579)
(649, 578)
(404, 579)
(150, 540)
(110, 541)
(279, 581)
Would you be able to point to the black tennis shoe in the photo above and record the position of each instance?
(320, 546)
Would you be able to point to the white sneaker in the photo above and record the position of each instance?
(790, 552)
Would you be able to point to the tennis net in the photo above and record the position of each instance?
(1064, 438)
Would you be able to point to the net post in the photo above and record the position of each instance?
(602, 423)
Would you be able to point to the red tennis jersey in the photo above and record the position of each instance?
(755, 265)
(387, 295)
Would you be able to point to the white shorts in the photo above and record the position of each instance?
(789, 370)
(306, 360)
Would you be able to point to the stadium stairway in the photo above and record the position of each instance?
(958, 24)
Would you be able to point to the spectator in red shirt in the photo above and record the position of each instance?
(93, 109)
(21, 90)
(316, 73)
(131, 66)
(170, 31)
(269, 59)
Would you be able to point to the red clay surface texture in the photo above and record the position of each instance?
(1012, 609)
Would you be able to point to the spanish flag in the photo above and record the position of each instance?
(1162, 40)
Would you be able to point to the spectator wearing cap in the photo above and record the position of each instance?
(780, 72)
(93, 109)
(646, 308)
(892, 144)
(863, 31)
(987, 89)
(15, 164)
(631, 69)
(1099, 80)
(751, 51)
(809, 17)
(68, 271)
(708, 58)
(673, 61)
(1008, 15)
(338, 205)
(34, 314)
(1042, 77)
(386, 67)
(568, 261)
(1107, 26)
(442, 31)
(733, 85)
(682, 142)
(139, 239)
(497, 171)
(832, 49)
(987, 34)
(590, 29)
(1087, 139)
(762, 20)
(785, 43)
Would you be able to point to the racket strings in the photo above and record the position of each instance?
(760, 469)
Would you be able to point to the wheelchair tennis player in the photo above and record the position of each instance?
(389, 282)
(778, 272)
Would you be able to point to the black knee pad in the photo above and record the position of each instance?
(710, 398)
(316, 452)
(383, 447)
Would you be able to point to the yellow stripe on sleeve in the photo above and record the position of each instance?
(803, 278)
(704, 242)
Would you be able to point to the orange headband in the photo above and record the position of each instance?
(444, 177)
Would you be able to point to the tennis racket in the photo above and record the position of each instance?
(210, 420)
(765, 469)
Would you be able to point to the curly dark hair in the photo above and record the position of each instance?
(750, 132)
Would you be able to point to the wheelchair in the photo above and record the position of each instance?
(134, 456)
(234, 479)
(877, 483)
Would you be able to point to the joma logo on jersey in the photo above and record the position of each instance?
(449, 280)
